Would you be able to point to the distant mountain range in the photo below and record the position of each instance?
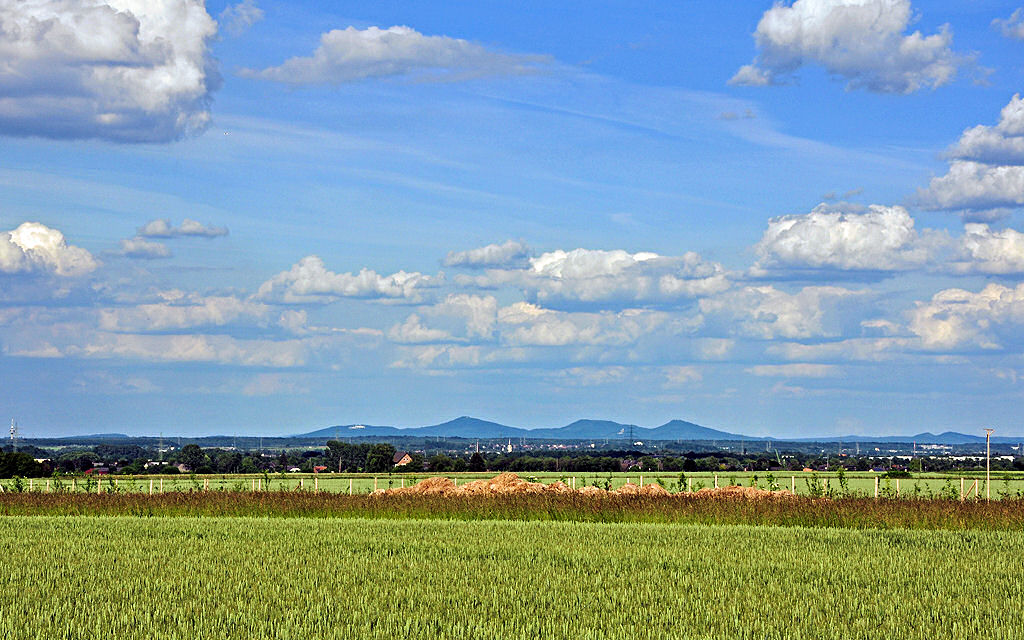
(467, 427)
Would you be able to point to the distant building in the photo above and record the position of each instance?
(401, 458)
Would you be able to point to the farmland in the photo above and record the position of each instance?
(920, 485)
(244, 577)
(268, 556)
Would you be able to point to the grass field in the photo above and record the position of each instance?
(687, 508)
(859, 483)
(326, 578)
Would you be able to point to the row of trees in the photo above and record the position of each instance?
(22, 465)
(341, 456)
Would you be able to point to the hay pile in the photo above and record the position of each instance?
(511, 484)
(745, 493)
(502, 484)
(630, 489)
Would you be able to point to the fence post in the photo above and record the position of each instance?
(689, 485)
(897, 487)
(350, 486)
(876, 486)
(99, 483)
(716, 480)
(403, 483)
(792, 484)
(641, 481)
(47, 485)
(30, 484)
(151, 486)
(374, 483)
(206, 484)
(161, 485)
(961, 489)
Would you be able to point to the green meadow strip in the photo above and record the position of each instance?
(850, 513)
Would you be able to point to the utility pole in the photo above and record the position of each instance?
(988, 456)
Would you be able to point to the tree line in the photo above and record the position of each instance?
(360, 457)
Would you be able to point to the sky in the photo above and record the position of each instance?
(790, 219)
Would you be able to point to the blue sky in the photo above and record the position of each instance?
(268, 217)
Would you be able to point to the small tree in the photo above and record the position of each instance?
(476, 462)
(192, 456)
(380, 458)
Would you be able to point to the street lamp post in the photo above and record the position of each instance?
(988, 456)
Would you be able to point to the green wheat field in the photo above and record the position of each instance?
(243, 577)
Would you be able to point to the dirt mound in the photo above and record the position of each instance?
(745, 493)
(592, 491)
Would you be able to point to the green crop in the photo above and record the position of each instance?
(187, 578)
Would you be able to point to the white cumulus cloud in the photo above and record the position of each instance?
(36, 248)
(978, 190)
(351, 54)
(768, 313)
(164, 229)
(183, 311)
(1012, 27)
(863, 41)
(956, 318)
(145, 249)
(987, 250)
(986, 174)
(525, 324)
(508, 254)
(795, 370)
(237, 18)
(1002, 144)
(879, 239)
(412, 331)
(123, 70)
(615, 277)
(310, 281)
